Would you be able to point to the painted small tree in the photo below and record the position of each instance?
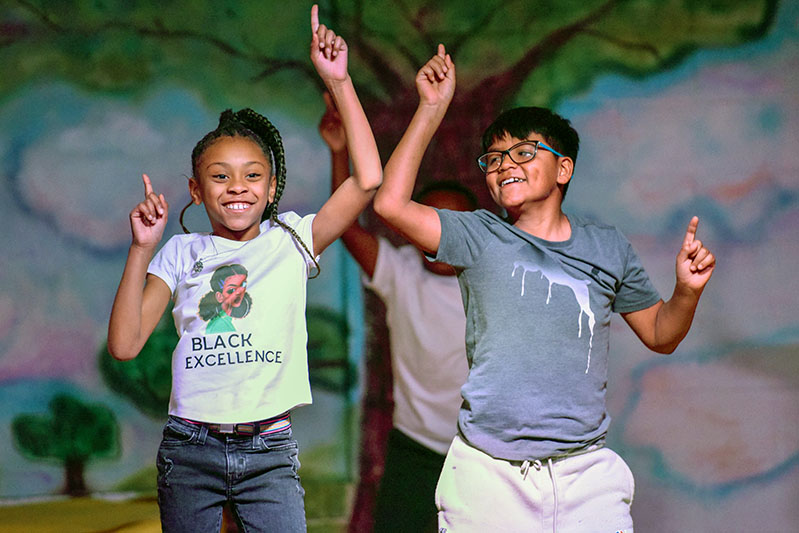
(73, 433)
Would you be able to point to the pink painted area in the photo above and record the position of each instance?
(7, 316)
(40, 350)
(718, 422)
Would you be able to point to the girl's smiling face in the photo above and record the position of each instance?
(232, 292)
(235, 183)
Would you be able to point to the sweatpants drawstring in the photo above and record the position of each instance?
(537, 464)
(526, 467)
(555, 493)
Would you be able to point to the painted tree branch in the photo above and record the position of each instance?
(386, 75)
(505, 84)
(158, 30)
(627, 45)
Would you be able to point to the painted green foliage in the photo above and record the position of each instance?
(72, 433)
(115, 45)
(328, 352)
(249, 53)
(146, 380)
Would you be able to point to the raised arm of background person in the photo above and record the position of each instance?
(664, 325)
(418, 223)
(141, 298)
(361, 244)
(329, 56)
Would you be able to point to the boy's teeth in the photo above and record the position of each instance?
(510, 180)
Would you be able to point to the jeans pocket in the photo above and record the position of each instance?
(280, 441)
(177, 433)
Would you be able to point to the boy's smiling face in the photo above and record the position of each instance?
(518, 187)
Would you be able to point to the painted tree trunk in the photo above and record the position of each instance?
(74, 482)
(376, 415)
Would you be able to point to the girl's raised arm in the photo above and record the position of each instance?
(141, 298)
(329, 56)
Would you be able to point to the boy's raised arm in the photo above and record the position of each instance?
(418, 223)
(329, 56)
(664, 325)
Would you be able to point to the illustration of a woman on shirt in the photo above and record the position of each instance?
(228, 299)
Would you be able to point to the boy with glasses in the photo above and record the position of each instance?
(539, 289)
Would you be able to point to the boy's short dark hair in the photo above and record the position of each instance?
(520, 122)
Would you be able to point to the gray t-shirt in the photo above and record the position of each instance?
(537, 324)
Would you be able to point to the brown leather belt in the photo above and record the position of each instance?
(270, 425)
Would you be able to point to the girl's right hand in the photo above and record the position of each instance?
(148, 219)
(435, 81)
(328, 50)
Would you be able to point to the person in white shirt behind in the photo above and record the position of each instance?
(426, 323)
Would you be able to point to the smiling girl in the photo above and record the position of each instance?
(228, 438)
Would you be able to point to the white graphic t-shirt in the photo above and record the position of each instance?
(240, 315)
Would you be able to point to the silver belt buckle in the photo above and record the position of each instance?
(226, 428)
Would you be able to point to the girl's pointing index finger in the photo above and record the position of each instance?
(314, 18)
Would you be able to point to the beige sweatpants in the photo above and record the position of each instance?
(586, 493)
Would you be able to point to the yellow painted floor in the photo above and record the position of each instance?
(82, 515)
(93, 515)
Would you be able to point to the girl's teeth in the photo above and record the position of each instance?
(237, 206)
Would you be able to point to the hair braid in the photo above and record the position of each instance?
(267, 132)
(302, 243)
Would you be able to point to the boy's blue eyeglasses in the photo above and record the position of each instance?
(519, 153)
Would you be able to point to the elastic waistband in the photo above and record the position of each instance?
(555, 458)
(270, 425)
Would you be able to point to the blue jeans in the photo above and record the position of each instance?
(200, 471)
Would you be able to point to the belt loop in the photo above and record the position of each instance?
(256, 434)
(203, 434)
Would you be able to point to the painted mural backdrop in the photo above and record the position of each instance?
(684, 107)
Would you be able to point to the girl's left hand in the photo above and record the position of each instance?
(328, 50)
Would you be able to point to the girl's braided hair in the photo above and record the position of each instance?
(256, 127)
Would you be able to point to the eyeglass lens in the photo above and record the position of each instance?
(519, 153)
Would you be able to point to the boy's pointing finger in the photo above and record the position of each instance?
(148, 187)
(690, 233)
